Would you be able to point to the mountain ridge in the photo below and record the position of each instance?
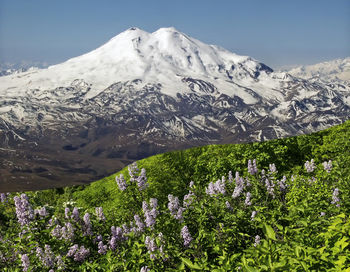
(160, 91)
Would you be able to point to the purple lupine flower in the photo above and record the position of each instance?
(102, 249)
(186, 236)
(87, 225)
(67, 232)
(228, 206)
(173, 204)
(66, 213)
(3, 197)
(230, 177)
(150, 214)
(252, 168)
(210, 190)
(121, 182)
(220, 186)
(191, 184)
(60, 263)
(49, 257)
(310, 166)
(179, 215)
(81, 254)
(72, 250)
(335, 197)
(113, 243)
(139, 223)
(272, 168)
(247, 201)
(257, 240)
(99, 213)
(39, 253)
(117, 232)
(75, 214)
(56, 232)
(41, 211)
(133, 170)
(322, 214)
(254, 213)
(25, 262)
(144, 269)
(270, 187)
(239, 186)
(327, 166)
(150, 244)
(142, 180)
(188, 199)
(24, 211)
(282, 183)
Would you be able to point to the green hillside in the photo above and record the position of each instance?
(281, 205)
(170, 173)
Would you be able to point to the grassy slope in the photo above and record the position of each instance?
(171, 172)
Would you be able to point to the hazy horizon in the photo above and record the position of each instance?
(279, 34)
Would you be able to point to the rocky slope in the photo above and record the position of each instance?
(144, 93)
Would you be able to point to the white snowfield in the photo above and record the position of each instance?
(165, 56)
(338, 69)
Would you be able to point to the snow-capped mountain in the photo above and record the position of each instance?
(144, 93)
(334, 70)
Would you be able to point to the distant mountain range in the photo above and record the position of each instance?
(329, 71)
(145, 93)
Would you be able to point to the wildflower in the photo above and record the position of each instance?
(252, 168)
(121, 182)
(139, 223)
(335, 198)
(49, 257)
(310, 166)
(133, 170)
(173, 204)
(87, 225)
(79, 254)
(42, 212)
(191, 184)
(99, 213)
(239, 186)
(188, 199)
(254, 213)
(216, 188)
(67, 232)
(113, 243)
(257, 240)
(142, 180)
(186, 236)
(25, 262)
(102, 249)
(75, 214)
(322, 214)
(327, 166)
(145, 269)
(282, 183)
(230, 178)
(24, 211)
(60, 263)
(66, 212)
(150, 214)
(270, 187)
(247, 201)
(272, 168)
(228, 206)
(3, 197)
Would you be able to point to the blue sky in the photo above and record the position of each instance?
(276, 32)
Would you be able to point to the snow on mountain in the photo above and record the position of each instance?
(327, 71)
(145, 93)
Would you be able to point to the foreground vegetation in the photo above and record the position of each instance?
(281, 205)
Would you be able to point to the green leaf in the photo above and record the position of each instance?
(269, 232)
(190, 264)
